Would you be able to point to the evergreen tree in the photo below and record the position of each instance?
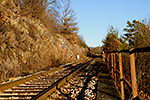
(137, 34)
(111, 41)
(68, 24)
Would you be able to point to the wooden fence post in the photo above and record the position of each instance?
(121, 77)
(108, 61)
(112, 66)
(133, 75)
(115, 69)
(105, 57)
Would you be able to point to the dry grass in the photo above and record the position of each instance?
(28, 38)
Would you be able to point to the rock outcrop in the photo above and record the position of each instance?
(27, 46)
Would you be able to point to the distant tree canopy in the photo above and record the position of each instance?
(96, 50)
(111, 41)
(137, 35)
(81, 41)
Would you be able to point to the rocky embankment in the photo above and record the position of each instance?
(27, 46)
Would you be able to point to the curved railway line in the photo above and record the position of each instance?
(74, 80)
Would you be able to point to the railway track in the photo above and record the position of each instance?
(68, 81)
(81, 86)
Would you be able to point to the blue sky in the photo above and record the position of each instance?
(95, 16)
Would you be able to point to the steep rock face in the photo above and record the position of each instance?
(27, 46)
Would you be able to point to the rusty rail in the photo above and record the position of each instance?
(44, 94)
(111, 63)
(28, 78)
(37, 86)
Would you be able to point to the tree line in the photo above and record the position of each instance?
(137, 35)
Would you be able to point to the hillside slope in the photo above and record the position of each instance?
(27, 46)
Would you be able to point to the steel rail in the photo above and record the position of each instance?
(5, 86)
(44, 94)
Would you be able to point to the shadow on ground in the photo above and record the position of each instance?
(106, 89)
